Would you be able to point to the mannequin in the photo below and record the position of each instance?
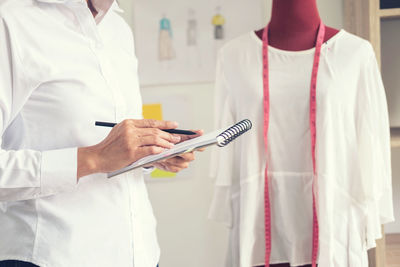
(294, 25)
(348, 79)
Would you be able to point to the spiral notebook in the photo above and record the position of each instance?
(220, 138)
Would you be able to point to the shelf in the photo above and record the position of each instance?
(395, 137)
(393, 250)
(389, 13)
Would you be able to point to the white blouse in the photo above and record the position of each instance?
(60, 71)
(353, 153)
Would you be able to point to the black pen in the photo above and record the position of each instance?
(172, 131)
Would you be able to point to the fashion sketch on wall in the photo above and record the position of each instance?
(166, 49)
(218, 21)
(177, 40)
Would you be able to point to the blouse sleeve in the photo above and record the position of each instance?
(222, 160)
(26, 174)
(373, 132)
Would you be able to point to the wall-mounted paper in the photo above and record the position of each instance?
(177, 40)
(154, 111)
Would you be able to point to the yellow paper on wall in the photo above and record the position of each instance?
(157, 173)
(154, 111)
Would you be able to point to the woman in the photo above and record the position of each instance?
(64, 65)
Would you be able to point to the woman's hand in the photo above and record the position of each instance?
(178, 163)
(127, 142)
(175, 164)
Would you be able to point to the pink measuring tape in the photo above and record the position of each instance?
(313, 129)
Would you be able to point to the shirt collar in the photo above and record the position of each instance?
(100, 5)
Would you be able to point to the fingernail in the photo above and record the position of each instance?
(177, 138)
(174, 124)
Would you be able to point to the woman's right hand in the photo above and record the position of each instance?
(127, 142)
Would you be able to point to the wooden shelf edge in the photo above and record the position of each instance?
(392, 238)
(392, 249)
(389, 13)
(395, 137)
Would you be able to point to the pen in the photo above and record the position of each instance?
(172, 131)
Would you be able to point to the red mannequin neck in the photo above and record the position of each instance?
(294, 25)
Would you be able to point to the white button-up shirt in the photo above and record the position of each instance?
(60, 71)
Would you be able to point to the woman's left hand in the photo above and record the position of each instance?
(178, 163)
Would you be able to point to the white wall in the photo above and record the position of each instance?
(391, 78)
(390, 30)
(395, 226)
(186, 237)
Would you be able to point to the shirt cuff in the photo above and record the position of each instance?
(58, 170)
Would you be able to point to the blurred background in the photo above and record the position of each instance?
(176, 44)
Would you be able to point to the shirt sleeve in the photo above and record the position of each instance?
(26, 174)
(222, 159)
(373, 132)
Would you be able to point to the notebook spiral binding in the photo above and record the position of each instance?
(234, 132)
